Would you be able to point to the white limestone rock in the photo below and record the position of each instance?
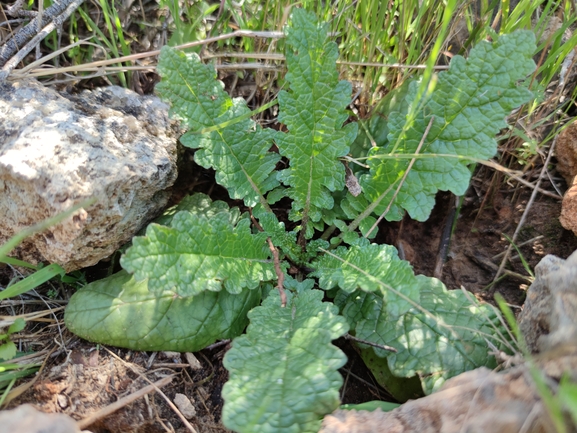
(57, 150)
(26, 419)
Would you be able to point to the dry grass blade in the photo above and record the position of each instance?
(29, 317)
(19, 390)
(525, 212)
(16, 74)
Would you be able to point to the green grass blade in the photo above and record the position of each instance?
(32, 281)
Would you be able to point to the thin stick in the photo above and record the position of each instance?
(26, 33)
(95, 66)
(39, 26)
(526, 212)
(446, 237)
(281, 57)
(348, 371)
(276, 261)
(23, 52)
(403, 178)
(262, 56)
(370, 343)
(279, 273)
(389, 65)
(522, 244)
(19, 390)
(109, 70)
(124, 401)
(490, 266)
(217, 344)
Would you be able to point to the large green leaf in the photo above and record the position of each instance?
(283, 372)
(314, 112)
(370, 267)
(121, 311)
(198, 252)
(447, 335)
(229, 141)
(466, 110)
(401, 388)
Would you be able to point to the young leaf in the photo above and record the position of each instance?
(18, 325)
(283, 371)
(7, 350)
(314, 112)
(465, 110)
(277, 232)
(121, 311)
(235, 146)
(200, 252)
(450, 339)
(286, 240)
(370, 267)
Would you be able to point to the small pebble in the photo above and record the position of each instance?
(62, 401)
(193, 361)
(184, 406)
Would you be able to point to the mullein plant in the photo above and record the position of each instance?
(204, 270)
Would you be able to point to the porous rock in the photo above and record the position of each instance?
(26, 419)
(58, 149)
(549, 317)
(566, 152)
(568, 216)
(477, 401)
(485, 401)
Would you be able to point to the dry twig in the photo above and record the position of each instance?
(526, 211)
(276, 261)
(124, 401)
(26, 38)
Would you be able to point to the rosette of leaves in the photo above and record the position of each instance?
(212, 263)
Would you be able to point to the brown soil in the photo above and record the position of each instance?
(89, 377)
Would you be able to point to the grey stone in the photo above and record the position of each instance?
(57, 150)
(26, 419)
(549, 317)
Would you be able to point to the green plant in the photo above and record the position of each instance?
(115, 36)
(7, 346)
(187, 21)
(202, 270)
(41, 273)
